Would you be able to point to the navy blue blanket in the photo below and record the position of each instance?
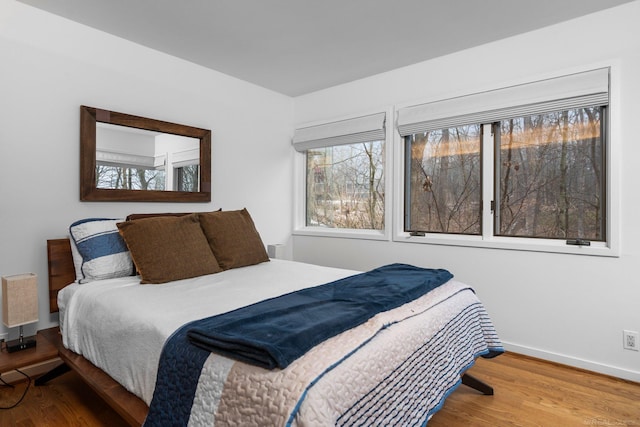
(311, 315)
(275, 332)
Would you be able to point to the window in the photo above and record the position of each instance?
(120, 176)
(444, 181)
(544, 147)
(186, 178)
(345, 186)
(551, 169)
(344, 172)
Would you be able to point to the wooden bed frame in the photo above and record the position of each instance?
(132, 409)
(61, 273)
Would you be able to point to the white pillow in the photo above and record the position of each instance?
(99, 252)
(77, 259)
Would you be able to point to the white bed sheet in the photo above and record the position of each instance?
(121, 326)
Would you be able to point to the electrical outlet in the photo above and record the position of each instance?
(631, 340)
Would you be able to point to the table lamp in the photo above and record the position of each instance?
(20, 307)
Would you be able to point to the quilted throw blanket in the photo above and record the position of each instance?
(416, 351)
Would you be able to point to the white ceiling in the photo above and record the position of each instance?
(300, 46)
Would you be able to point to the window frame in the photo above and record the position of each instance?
(407, 202)
(610, 247)
(300, 227)
(604, 114)
(178, 175)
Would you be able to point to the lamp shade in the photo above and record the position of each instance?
(19, 299)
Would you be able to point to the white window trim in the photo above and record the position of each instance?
(300, 191)
(611, 248)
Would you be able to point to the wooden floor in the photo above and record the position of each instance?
(532, 392)
(528, 392)
(64, 401)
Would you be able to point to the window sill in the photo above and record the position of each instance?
(510, 243)
(505, 243)
(346, 233)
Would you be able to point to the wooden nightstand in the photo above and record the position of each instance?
(43, 351)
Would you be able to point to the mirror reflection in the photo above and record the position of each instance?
(129, 158)
(137, 159)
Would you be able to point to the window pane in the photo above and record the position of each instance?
(128, 178)
(551, 175)
(345, 186)
(186, 178)
(444, 181)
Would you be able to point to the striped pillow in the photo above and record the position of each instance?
(99, 251)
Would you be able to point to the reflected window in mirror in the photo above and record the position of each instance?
(185, 178)
(136, 159)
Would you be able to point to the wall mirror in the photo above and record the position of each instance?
(136, 159)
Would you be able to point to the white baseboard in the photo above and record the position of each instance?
(588, 365)
(31, 370)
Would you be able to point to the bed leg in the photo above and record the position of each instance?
(54, 373)
(476, 384)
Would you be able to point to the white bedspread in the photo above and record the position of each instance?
(121, 326)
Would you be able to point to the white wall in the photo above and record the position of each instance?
(567, 308)
(50, 66)
(563, 307)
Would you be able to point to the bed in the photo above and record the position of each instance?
(395, 368)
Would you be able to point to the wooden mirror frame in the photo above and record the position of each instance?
(89, 192)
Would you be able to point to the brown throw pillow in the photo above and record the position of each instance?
(233, 238)
(168, 248)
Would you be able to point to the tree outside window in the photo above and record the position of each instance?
(549, 179)
(551, 175)
(128, 178)
(445, 179)
(345, 186)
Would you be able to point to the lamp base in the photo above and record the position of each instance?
(21, 344)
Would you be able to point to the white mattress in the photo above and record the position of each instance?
(121, 326)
